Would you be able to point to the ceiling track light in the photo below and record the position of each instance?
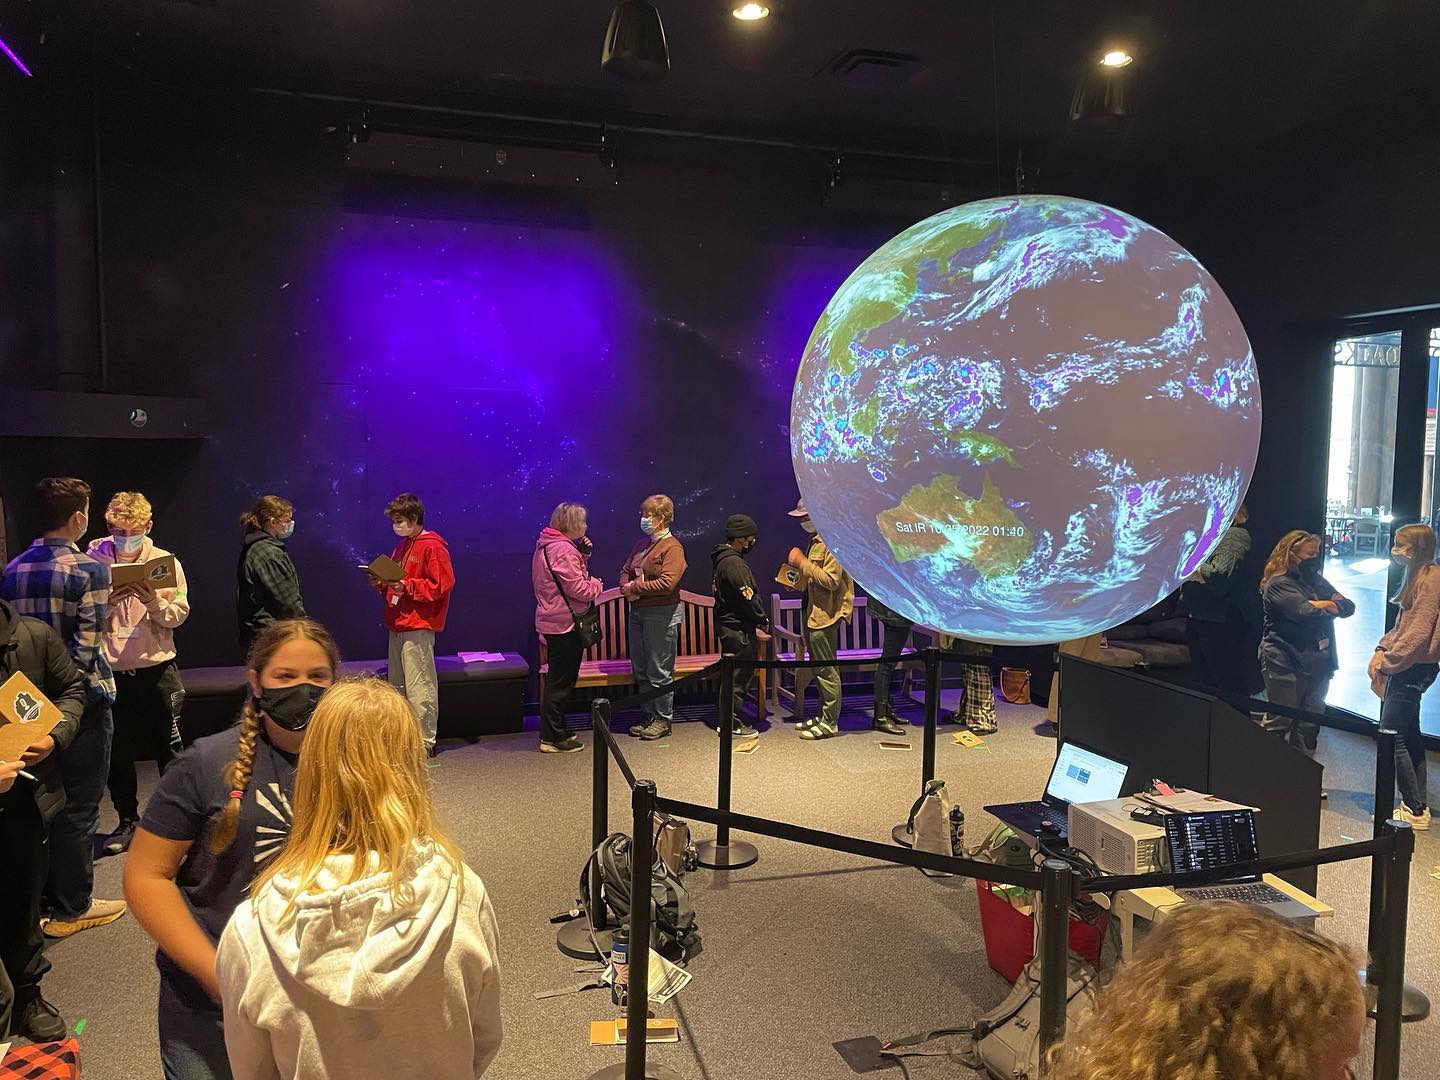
(751, 12)
(635, 48)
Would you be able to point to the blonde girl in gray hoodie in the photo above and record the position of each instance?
(367, 945)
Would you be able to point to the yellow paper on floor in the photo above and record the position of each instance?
(612, 1032)
(968, 738)
(747, 747)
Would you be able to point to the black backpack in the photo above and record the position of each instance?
(673, 930)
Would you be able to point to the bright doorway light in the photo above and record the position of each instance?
(751, 12)
(1116, 58)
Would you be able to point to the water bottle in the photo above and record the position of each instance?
(957, 832)
(620, 959)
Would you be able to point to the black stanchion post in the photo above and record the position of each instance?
(721, 853)
(637, 1006)
(901, 833)
(1414, 1004)
(575, 938)
(1056, 892)
(1392, 952)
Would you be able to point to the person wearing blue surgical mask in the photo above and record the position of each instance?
(267, 586)
(139, 642)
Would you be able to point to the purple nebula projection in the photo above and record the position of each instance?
(1026, 420)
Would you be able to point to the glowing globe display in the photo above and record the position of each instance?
(1025, 419)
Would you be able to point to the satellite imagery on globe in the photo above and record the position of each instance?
(1025, 419)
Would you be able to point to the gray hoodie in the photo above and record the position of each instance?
(353, 984)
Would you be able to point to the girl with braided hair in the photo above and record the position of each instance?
(221, 812)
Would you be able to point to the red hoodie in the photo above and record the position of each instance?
(424, 595)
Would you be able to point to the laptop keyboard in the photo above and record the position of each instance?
(1254, 893)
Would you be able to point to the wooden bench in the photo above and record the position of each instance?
(861, 637)
(607, 663)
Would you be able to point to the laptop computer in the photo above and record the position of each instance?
(1215, 838)
(1079, 775)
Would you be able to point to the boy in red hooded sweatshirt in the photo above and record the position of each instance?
(415, 610)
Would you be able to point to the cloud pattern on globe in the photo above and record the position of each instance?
(1025, 419)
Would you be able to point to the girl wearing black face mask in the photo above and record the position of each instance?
(221, 811)
(1297, 653)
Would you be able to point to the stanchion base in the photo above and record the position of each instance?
(902, 835)
(735, 855)
(1414, 1005)
(573, 939)
(652, 1072)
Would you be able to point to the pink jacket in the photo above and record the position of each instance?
(136, 635)
(555, 614)
(1416, 636)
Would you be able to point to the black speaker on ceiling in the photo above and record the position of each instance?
(635, 47)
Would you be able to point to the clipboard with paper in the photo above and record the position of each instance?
(28, 715)
(158, 573)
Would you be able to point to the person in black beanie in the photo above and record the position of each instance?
(739, 614)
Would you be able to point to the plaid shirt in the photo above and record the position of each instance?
(54, 581)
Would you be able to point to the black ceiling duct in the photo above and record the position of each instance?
(635, 46)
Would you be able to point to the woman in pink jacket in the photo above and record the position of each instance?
(1407, 659)
(560, 572)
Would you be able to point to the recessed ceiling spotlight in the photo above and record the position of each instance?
(1116, 58)
(750, 12)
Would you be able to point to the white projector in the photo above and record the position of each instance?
(1117, 842)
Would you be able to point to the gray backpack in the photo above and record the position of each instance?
(1005, 1042)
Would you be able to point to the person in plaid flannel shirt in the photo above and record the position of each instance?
(54, 581)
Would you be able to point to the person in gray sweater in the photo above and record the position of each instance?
(1406, 662)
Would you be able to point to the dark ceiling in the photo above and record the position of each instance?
(1214, 75)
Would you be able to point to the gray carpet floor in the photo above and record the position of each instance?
(803, 949)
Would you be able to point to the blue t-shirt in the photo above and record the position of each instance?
(185, 807)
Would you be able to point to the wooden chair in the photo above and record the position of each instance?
(607, 663)
(861, 637)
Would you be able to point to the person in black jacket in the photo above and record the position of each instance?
(1218, 612)
(267, 588)
(1297, 653)
(897, 635)
(32, 648)
(739, 613)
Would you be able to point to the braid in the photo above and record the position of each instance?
(237, 778)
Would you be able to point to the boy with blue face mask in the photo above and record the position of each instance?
(140, 645)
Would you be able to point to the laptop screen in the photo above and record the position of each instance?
(1207, 840)
(1082, 776)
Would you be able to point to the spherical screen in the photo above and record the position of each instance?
(1025, 419)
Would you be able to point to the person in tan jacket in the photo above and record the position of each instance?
(650, 580)
(829, 599)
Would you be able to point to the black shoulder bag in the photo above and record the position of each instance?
(587, 622)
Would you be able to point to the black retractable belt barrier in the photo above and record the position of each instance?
(1057, 891)
(931, 658)
(577, 938)
(722, 853)
(637, 1005)
(1414, 1004)
(1391, 989)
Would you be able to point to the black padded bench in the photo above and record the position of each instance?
(480, 698)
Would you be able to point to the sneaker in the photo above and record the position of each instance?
(38, 1020)
(948, 718)
(807, 723)
(655, 729)
(119, 840)
(820, 730)
(567, 745)
(99, 913)
(1419, 822)
(888, 725)
(741, 730)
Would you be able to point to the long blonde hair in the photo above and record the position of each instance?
(1282, 560)
(362, 789)
(252, 720)
(1421, 539)
(1219, 991)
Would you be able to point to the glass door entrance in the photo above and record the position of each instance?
(1358, 498)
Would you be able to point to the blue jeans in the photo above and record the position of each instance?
(1401, 713)
(84, 766)
(192, 1036)
(653, 632)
